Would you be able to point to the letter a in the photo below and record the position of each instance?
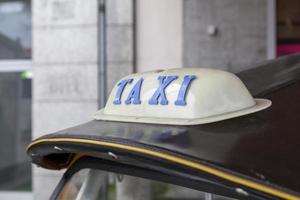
(135, 93)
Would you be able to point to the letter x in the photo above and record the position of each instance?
(164, 81)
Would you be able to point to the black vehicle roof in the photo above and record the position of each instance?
(262, 147)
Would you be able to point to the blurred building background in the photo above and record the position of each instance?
(70, 53)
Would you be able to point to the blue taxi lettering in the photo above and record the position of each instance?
(120, 90)
(164, 81)
(159, 96)
(183, 89)
(135, 93)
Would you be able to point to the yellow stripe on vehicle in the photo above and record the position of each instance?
(182, 161)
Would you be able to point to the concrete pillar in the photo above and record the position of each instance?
(228, 35)
(65, 86)
(120, 41)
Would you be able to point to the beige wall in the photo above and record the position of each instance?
(175, 33)
(159, 34)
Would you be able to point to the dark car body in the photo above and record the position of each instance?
(256, 156)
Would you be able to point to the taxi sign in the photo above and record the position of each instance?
(185, 96)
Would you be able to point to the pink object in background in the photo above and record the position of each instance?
(284, 49)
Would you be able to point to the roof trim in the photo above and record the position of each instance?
(178, 160)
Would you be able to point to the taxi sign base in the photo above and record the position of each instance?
(261, 104)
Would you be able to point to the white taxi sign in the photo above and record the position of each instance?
(185, 96)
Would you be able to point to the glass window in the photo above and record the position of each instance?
(15, 130)
(15, 29)
(91, 184)
(15, 101)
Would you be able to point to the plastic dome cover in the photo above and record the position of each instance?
(185, 96)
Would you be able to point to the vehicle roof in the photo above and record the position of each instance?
(262, 147)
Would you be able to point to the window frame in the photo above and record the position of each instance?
(171, 175)
(15, 65)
